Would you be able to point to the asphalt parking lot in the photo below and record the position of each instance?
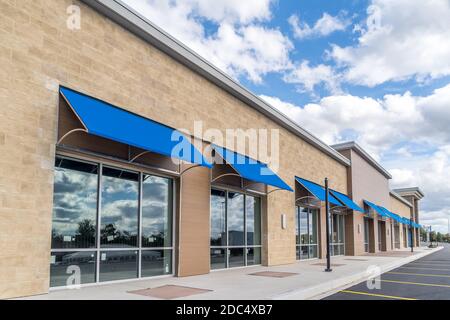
(427, 278)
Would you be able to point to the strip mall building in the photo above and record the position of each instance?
(89, 185)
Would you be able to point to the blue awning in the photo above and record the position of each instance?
(405, 221)
(317, 191)
(105, 120)
(346, 200)
(388, 213)
(396, 217)
(377, 209)
(251, 169)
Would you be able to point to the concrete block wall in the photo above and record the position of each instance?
(403, 210)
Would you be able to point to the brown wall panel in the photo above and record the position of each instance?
(194, 222)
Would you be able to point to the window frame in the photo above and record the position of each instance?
(245, 246)
(298, 245)
(98, 249)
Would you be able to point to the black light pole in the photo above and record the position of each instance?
(327, 213)
(431, 240)
(412, 233)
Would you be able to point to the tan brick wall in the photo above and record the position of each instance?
(403, 210)
(398, 207)
(37, 53)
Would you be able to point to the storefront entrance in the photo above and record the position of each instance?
(366, 234)
(235, 229)
(337, 234)
(397, 237)
(381, 236)
(306, 233)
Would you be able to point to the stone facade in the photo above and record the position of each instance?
(405, 211)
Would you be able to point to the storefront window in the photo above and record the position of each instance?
(306, 229)
(235, 229)
(81, 264)
(156, 212)
(156, 262)
(253, 211)
(119, 218)
(218, 216)
(235, 219)
(75, 204)
(76, 257)
(118, 265)
(253, 256)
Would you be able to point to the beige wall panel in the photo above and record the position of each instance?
(399, 207)
(358, 235)
(368, 183)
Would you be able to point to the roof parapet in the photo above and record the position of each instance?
(411, 191)
(400, 198)
(363, 153)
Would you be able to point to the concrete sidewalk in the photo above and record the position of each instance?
(309, 280)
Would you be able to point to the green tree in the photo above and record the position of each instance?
(433, 237)
(86, 229)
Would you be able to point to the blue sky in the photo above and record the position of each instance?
(373, 71)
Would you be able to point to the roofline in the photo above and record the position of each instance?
(354, 146)
(400, 198)
(138, 25)
(414, 191)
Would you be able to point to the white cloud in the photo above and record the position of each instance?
(233, 10)
(326, 25)
(380, 126)
(377, 124)
(431, 174)
(308, 78)
(239, 46)
(402, 39)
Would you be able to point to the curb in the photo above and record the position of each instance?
(330, 287)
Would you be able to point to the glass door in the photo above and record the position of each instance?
(366, 234)
(235, 229)
(337, 235)
(306, 233)
(397, 237)
(380, 234)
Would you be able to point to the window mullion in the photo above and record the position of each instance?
(99, 211)
(226, 229)
(140, 226)
(245, 230)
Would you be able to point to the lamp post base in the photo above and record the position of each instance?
(328, 270)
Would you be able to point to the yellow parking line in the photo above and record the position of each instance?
(418, 283)
(376, 295)
(432, 264)
(420, 274)
(424, 268)
(428, 265)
